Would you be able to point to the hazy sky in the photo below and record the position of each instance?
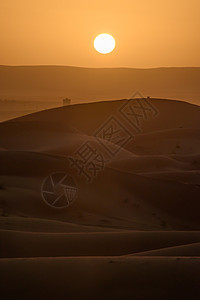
(148, 33)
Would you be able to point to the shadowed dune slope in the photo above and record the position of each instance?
(26, 244)
(100, 278)
(151, 184)
(131, 233)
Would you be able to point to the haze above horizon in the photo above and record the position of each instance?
(148, 34)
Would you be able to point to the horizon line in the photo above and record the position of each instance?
(82, 67)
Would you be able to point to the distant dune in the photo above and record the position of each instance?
(10, 109)
(52, 83)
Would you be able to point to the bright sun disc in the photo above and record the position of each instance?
(104, 43)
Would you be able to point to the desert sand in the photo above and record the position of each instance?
(133, 232)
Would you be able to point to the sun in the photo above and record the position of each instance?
(104, 43)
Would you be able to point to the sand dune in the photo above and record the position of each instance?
(10, 109)
(21, 223)
(40, 143)
(136, 223)
(89, 244)
(183, 250)
(176, 120)
(100, 278)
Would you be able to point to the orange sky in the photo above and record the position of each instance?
(148, 33)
